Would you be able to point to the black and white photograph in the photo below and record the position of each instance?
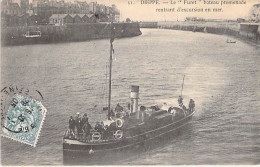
(130, 82)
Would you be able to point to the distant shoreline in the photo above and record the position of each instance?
(220, 28)
(45, 34)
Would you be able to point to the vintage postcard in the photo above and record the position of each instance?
(130, 82)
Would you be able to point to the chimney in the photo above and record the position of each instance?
(134, 99)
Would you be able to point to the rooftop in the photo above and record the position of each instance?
(58, 16)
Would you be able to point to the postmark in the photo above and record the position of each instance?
(23, 120)
(8, 92)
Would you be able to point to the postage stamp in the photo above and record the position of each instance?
(24, 120)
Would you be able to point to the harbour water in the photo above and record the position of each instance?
(223, 79)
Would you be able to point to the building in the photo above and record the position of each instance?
(191, 19)
(97, 8)
(8, 7)
(116, 17)
(42, 10)
(102, 9)
(45, 11)
(108, 10)
(30, 10)
(116, 13)
(240, 20)
(76, 18)
(92, 7)
(249, 30)
(83, 7)
(85, 18)
(60, 19)
(24, 4)
(92, 18)
(46, 8)
(22, 20)
(34, 20)
(148, 24)
(101, 17)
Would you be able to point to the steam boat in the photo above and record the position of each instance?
(126, 131)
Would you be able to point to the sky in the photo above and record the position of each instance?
(136, 11)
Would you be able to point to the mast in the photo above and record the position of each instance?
(182, 85)
(110, 67)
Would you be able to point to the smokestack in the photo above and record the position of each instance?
(134, 99)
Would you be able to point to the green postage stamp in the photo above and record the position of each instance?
(24, 120)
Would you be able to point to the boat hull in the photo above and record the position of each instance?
(77, 153)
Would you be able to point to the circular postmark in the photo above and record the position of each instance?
(21, 115)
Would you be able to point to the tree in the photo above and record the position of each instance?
(255, 13)
(128, 20)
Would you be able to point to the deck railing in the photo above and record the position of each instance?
(92, 137)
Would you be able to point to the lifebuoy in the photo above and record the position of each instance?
(96, 136)
(91, 151)
(119, 123)
(118, 134)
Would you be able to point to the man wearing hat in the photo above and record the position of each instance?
(84, 119)
(78, 125)
(72, 126)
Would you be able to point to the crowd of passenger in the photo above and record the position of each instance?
(80, 128)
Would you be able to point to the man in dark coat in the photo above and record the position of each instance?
(98, 127)
(191, 105)
(72, 124)
(84, 120)
(86, 131)
(119, 108)
(118, 111)
(78, 126)
(180, 101)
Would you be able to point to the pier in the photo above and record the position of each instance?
(245, 31)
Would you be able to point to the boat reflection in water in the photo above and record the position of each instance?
(125, 132)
